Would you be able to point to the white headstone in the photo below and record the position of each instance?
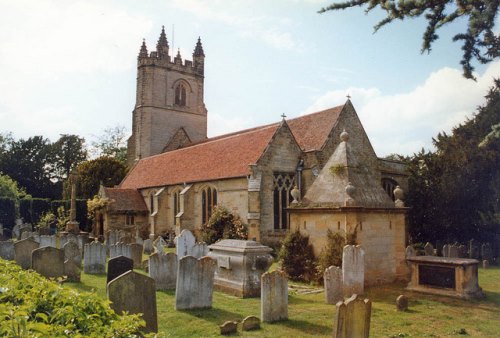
(274, 296)
(353, 270)
(46, 240)
(94, 258)
(184, 243)
(195, 283)
(163, 269)
(333, 285)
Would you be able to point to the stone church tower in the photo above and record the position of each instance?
(169, 111)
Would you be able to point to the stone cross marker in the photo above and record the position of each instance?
(195, 283)
(274, 296)
(23, 250)
(429, 249)
(352, 318)
(7, 250)
(135, 293)
(118, 266)
(48, 261)
(94, 258)
(72, 251)
(333, 285)
(353, 270)
(163, 269)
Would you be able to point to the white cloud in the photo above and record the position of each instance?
(406, 122)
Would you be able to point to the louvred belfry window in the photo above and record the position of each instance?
(282, 185)
(180, 95)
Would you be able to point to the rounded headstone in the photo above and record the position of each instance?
(486, 264)
(228, 328)
(402, 303)
(250, 323)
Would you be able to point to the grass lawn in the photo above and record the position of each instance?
(428, 315)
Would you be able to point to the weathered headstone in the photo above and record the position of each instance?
(184, 243)
(429, 249)
(462, 251)
(410, 252)
(474, 249)
(94, 258)
(250, 323)
(453, 251)
(7, 250)
(113, 237)
(72, 270)
(486, 252)
(48, 262)
(120, 249)
(333, 284)
(46, 240)
(274, 296)
(402, 303)
(16, 231)
(118, 266)
(446, 250)
(23, 250)
(353, 270)
(486, 264)
(148, 246)
(72, 251)
(82, 239)
(136, 254)
(163, 269)
(199, 250)
(352, 318)
(135, 293)
(439, 248)
(228, 327)
(159, 244)
(195, 283)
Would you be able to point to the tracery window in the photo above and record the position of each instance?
(208, 201)
(282, 185)
(176, 204)
(180, 95)
(389, 185)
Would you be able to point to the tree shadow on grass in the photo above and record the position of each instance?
(214, 315)
(306, 327)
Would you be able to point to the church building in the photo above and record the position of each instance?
(178, 174)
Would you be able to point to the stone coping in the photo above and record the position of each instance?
(235, 245)
(331, 208)
(443, 260)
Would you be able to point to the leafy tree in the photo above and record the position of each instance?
(222, 224)
(68, 152)
(113, 143)
(10, 189)
(479, 40)
(105, 169)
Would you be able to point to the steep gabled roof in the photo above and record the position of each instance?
(227, 155)
(125, 199)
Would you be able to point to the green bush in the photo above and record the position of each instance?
(222, 224)
(297, 257)
(32, 306)
(331, 254)
(7, 212)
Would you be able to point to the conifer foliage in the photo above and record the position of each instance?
(297, 257)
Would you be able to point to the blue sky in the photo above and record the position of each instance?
(69, 67)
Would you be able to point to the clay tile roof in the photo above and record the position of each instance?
(125, 199)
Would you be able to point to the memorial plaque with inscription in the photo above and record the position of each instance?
(436, 276)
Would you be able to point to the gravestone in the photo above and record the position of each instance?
(46, 240)
(228, 327)
(474, 249)
(402, 303)
(120, 249)
(135, 293)
(118, 266)
(159, 244)
(195, 283)
(333, 284)
(113, 237)
(24, 228)
(16, 231)
(148, 246)
(184, 243)
(7, 250)
(163, 269)
(23, 250)
(446, 250)
(82, 239)
(136, 254)
(94, 258)
(68, 238)
(462, 251)
(486, 264)
(250, 323)
(72, 251)
(453, 251)
(439, 248)
(429, 249)
(199, 250)
(410, 252)
(352, 318)
(48, 261)
(72, 270)
(486, 252)
(274, 296)
(353, 270)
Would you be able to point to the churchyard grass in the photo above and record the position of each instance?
(428, 315)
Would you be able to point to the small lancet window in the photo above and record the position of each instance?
(180, 95)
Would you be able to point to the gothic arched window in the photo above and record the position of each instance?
(208, 201)
(282, 185)
(180, 95)
(389, 185)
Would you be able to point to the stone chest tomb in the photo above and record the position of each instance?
(240, 265)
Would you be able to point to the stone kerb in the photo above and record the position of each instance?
(23, 250)
(353, 270)
(333, 285)
(184, 243)
(274, 296)
(195, 283)
(118, 266)
(46, 240)
(135, 293)
(48, 261)
(163, 269)
(352, 318)
(72, 252)
(7, 250)
(94, 258)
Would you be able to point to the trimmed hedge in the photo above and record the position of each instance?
(7, 212)
(33, 208)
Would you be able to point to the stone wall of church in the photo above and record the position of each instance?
(381, 233)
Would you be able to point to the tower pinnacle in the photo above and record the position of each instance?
(198, 50)
(162, 45)
(144, 50)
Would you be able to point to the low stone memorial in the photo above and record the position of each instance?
(118, 266)
(353, 270)
(72, 251)
(250, 323)
(23, 250)
(240, 264)
(135, 293)
(486, 264)
(456, 277)
(228, 327)
(46, 240)
(136, 254)
(402, 303)
(7, 250)
(48, 261)
(163, 269)
(333, 284)
(429, 249)
(274, 296)
(352, 318)
(94, 258)
(195, 281)
(72, 271)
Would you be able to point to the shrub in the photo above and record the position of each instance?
(32, 306)
(297, 257)
(7, 212)
(331, 254)
(222, 224)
